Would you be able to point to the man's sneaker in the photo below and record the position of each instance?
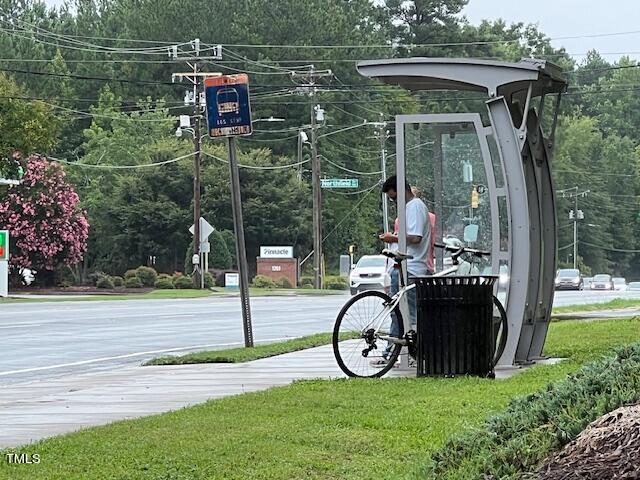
(379, 363)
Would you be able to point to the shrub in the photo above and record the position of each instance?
(164, 283)
(262, 281)
(209, 281)
(105, 282)
(133, 282)
(130, 274)
(336, 283)
(183, 282)
(283, 282)
(117, 281)
(516, 441)
(147, 276)
(306, 281)
(165, 276)
(95, 277)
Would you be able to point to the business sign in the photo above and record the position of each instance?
(339, 183)
(276, 252)
(4, 245)
(228, 108)
(231, 280)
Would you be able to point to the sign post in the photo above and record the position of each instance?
(203, 256)
(229, 115)
(4, 263)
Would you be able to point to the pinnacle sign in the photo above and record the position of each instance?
(4, 245)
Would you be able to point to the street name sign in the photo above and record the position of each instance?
(228, 107)
(339, 183)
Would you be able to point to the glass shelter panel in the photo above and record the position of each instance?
(445, 162)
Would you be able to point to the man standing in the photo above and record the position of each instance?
(418, 242)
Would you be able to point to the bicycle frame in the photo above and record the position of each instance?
(398, 297)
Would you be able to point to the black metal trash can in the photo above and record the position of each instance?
(455, 325)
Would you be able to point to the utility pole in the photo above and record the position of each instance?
(317, 114)
(383, 135)
(195, 77)
(317, 202)
(575, 215)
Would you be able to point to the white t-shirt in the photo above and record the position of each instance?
(418, 225)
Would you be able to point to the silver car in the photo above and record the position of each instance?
(602, 281)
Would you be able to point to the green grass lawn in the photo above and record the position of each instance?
(340, 429)
(610, 305)
(171, 294)
(237, 355)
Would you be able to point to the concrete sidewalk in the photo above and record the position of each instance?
(37, 410)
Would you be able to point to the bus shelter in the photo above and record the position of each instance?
(487, 175)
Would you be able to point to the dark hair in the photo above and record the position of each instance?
(391, 183)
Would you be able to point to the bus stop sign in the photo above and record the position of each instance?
(228, 108)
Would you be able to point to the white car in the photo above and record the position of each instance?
(620, 284)
(372, 272)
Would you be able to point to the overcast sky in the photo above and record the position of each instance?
(568, 18)
(565, 18)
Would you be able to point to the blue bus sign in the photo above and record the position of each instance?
(228, 107)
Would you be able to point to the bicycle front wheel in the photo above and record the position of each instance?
(357, 344)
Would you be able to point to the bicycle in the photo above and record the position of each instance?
(365, 320)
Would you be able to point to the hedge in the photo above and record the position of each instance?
(515, 442)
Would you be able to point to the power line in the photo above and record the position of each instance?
(121, 167)
(620, 250)
(253, 167)
(349, 170)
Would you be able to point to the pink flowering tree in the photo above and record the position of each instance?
(48, 230)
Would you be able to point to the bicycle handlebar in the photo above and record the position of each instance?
(461, 250)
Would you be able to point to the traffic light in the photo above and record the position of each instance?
(474, 198)
(4, 245)
(570, 214)
(352, 249)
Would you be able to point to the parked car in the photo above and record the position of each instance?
(619, 283)
(634, 286)
(370, 273)
(602, 281)
(569, 279)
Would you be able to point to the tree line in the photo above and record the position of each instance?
(90, 84)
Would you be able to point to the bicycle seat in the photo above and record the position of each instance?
(396, 255)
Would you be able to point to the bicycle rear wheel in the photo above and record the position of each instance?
(357, 346)
(500, 327)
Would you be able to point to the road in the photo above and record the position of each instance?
(51, 339)
(44, 340)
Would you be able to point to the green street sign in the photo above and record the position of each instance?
(4, 245)
(339, 183)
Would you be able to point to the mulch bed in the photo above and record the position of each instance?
(608, 449)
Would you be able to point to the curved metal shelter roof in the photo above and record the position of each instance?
(493, 77)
